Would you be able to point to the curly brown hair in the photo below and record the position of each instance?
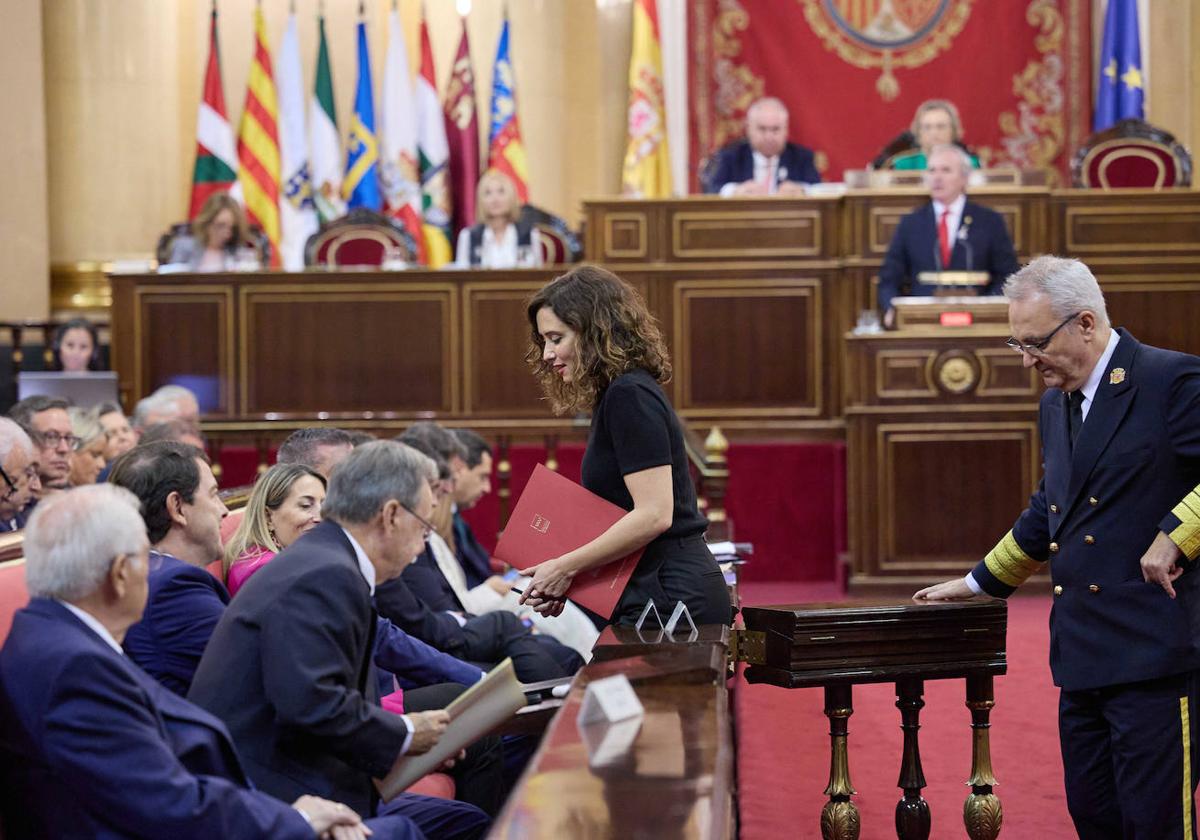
(615, 333)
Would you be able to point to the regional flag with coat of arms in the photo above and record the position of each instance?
(216, 156)
(433, 155)
(360, 187)
(398, 171)
(647, 168)
(258, 142)
(505, 150)
(462, 136)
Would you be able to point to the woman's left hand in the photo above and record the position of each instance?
(546, 587)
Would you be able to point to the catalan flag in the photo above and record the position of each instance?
(258, 142)
(505, 150)
(360, 187)
(1121, 91)
(216, 155)
(647, 169)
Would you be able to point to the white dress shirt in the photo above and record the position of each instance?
(765, 168)
(499, 252)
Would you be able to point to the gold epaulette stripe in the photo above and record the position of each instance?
(1187, 534)
(1009, 562)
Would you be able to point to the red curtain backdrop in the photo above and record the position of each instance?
(852, 72)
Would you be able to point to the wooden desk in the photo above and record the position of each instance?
(675, 781)
(840, 645)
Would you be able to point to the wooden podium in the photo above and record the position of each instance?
(942, 444)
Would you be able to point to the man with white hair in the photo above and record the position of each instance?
(948, 234)
(170, 402)
(1117, 517)
(90, 746)
(19, 481)
(289, 667)
(764, 163)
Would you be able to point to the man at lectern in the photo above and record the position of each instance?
(948, 234)
(1117, 518)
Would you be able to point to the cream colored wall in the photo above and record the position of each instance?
(24, 274)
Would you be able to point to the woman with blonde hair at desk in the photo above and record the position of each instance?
(220, 239)
(500, 239)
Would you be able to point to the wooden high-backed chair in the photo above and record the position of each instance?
(360, 238)
(1132, 153)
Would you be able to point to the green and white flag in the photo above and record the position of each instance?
(324, 140)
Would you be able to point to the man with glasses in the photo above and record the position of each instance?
(1117, 516)
(289, 667)
(49, 426)
(18, 474)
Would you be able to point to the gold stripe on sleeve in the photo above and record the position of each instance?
(1187, 534)
(1185, 719)
(1009, 562)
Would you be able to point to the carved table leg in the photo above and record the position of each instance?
(912, 811)
(982, 813)
(839, 817)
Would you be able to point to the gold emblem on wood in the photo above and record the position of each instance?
(956, 372)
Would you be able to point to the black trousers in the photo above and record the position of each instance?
(672, 570)
(493, 636)
(1129, 755)
(478, 778)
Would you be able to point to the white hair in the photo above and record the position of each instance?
(73, 537)
(964, 159)
(11, 435)
(1066, 283)
(162, 400)
(771, 101)
(85, 424)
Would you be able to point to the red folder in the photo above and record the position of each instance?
(555, 515)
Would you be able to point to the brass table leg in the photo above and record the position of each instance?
(982, 813)
(839, 817)
(912, 811)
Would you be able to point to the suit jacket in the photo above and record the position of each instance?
(184, 606)
(476, 561)
(92, 747)
(429, 585)
(735, 164)
(1133, 472)
(400, 605)
(982, 244)
(289, 671)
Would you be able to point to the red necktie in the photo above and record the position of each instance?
(944, 238)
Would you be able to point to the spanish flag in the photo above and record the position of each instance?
(258, 142)
(647, 169)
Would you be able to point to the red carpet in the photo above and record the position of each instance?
(783, 743)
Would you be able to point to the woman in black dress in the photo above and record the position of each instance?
(595, 347)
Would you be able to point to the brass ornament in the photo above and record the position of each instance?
(956, 372)
(982, 816)
(840, 821)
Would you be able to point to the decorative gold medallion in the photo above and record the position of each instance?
(887, 33)
(1117, 376)
(955, 373)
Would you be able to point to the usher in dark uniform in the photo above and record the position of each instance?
(1124, 653)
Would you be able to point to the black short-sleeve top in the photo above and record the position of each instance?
(634, 428)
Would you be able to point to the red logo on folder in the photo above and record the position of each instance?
(580, 516)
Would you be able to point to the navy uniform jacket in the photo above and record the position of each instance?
(735, 164)
(289, 671)
(982, 244)
(183, 609)
(1134, 472)
(90, 746)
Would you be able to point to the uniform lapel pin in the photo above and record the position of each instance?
(1117, 376)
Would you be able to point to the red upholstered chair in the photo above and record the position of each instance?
(560, 244)
(13, 594)
(360, 238)
(1132, 153)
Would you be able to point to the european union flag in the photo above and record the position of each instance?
(1121, 93)
(360, 187)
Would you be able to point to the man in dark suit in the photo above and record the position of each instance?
(765, 163)
(472, 483)
(949, 233)
(90, 746)
(1117, 515)
(183, 513)
(289, 667)
(19, 483)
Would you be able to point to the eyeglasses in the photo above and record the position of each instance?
(429, 526)
(30, 472)
(1036, 348)
(51, 440)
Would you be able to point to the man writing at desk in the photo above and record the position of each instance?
(948, 234)
(765, 163)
